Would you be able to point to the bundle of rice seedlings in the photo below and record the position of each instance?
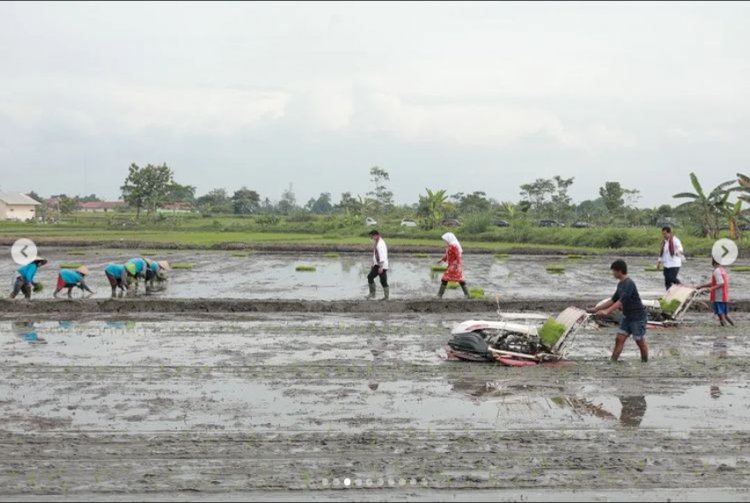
(575, 257)
(501, 256)
(452, 285)
(439, 268)
(306, 268)
(476, 293)
(69, 265)
(38, 287)
(652, 268)
(551, 332)
(331, 255)
(181, 265)
(740, 268)
(421, 255)
(670, 307)
(555, 269)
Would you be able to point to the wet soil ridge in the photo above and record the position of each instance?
(196, 306)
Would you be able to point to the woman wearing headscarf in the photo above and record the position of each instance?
(455, 271)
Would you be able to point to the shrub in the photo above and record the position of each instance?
(476, 224)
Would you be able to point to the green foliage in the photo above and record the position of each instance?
(245, 201)
(38, 287)
(147, 188)
(305, 268)
(670, 307)
(476, 293)
(551, 332)
(709, 209)
(432, 208)
(477, 223)
(381, 196)
(439, 268)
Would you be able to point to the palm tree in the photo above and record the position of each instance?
(709, 208)
(432, 207)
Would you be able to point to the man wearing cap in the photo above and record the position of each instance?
(25, 279)
(155, 269)
(69, 278)
(380, 265)
(118, 277)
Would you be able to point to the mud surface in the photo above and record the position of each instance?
(262, 275)
(257, 406)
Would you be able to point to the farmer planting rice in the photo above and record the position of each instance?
(634, 319)
(118, 277)
(25, 279)
(719, 291)
(155, 269)
(139, 266)
(69, 278)
(455, 271)
(670, 257)
(380, 265)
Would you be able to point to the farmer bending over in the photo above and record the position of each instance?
(634, 319)
(380, 265)
(68, 278)
(117, 275)
(155, 270)
(25, 279)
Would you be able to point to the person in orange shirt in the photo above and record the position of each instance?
(719, 288)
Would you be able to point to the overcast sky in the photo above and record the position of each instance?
(460, 96)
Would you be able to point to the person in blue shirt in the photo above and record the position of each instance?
(118, 276)
(140, 269)
(69, 278)
(25, 280)
(155, 270)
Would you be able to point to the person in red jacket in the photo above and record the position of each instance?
(719, 288)
(455, 271)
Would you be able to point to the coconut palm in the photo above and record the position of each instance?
(708, 208)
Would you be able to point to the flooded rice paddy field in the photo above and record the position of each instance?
(223, 274)
(363, 407)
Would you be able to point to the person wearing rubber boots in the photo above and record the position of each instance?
(25, 279)
(379, 267)
(634, 313)
(455, 271)
(670, 257)
(69, 278)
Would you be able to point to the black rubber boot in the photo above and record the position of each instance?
(442, 290)
(386, 293)
(466, 290)
(372, 291)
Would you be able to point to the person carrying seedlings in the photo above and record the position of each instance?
(155, 269)
(719, 288)
(69, 278)
(634, 319)
(380, 265)
(25, 279)
(670, 257)
(118, 277)
(455, 271)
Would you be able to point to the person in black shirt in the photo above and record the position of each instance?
(634, 314)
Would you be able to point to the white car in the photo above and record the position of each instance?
(408, 223)
(370, 222)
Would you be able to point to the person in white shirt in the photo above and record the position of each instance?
(670, 257)
(379, 267)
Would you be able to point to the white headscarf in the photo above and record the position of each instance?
(451, 239)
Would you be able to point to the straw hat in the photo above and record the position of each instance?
(83, 270)
(42, 260)
(164, 265)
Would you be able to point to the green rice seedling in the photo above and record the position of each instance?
(70, 265)
(452, 285)
(669, 308)
(439, 268)
(555, 269)
(38, 287)
(476, 293)
(575, 257)
(332, 255)
(182, 265)
(651, 269)
(305, 268)
(551, 332)
(421, 255)
(740, 268)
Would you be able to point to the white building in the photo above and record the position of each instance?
(15, 206)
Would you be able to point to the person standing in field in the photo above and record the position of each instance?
(719, 288)
(670, 257)
(69, 278)
(455, 271)
(634, 319)
(379, 267)
(25, 279)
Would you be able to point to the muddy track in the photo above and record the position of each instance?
(55, 308)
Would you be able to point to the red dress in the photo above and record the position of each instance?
(455, 271)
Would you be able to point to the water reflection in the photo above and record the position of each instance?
(633, 410)
(26, 331)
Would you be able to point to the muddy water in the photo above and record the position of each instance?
(253, 406)
(222, 275)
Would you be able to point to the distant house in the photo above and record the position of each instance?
(16, 206)
(176, 208)
(100, 206)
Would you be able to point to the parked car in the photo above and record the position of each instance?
(550, 223)
(582, 225)
(408, 223)
(370, 222)
(745, 227)
(450, 222)
(501, 223)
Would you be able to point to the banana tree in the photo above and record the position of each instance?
(736, 216)
(432, 207)
(708, 208)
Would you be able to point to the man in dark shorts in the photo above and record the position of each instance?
(634, 314)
